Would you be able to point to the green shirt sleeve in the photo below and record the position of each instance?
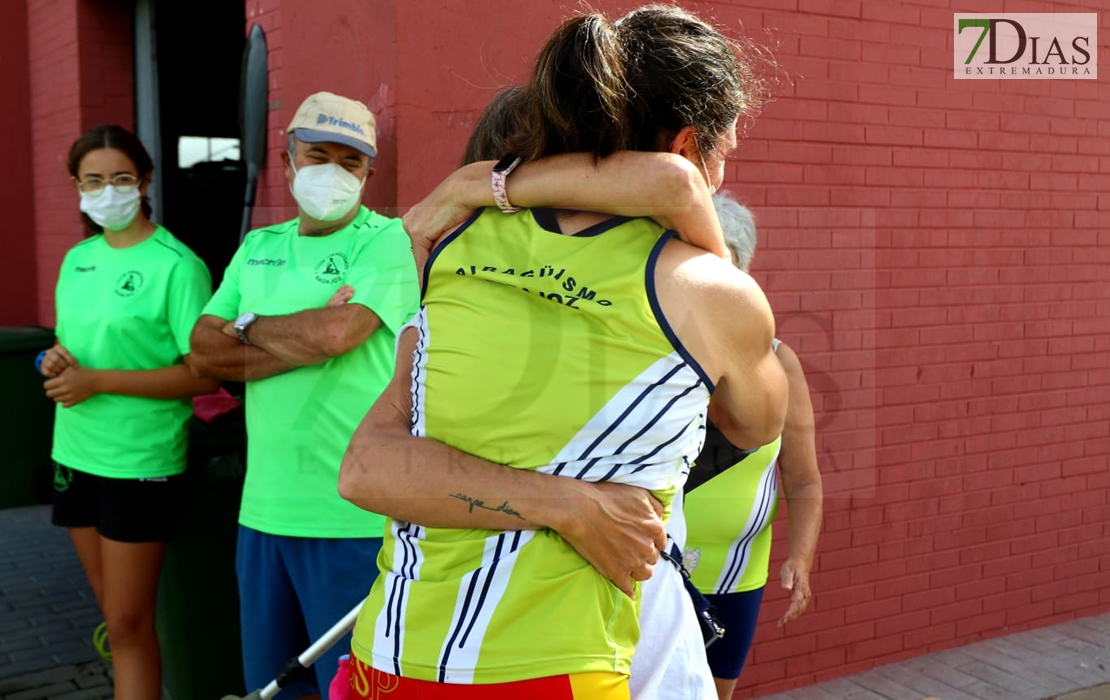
(190, 289)
(225, 302)
(383, 275)
(59, 327)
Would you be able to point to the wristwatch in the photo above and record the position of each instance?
(242, 324)
(497, 181)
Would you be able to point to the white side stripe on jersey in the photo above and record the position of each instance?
(622, 441)
(419, 370)
(479, 593)
(739, 552)
(389, 629)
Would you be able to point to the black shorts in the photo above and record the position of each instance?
(125, 510)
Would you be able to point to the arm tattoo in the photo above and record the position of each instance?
(478, 503)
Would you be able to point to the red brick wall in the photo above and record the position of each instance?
(17, 264)
(56, 122)
(350, 50)
(80, 67)
(938, 253)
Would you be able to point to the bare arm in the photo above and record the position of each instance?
(801, 482)
(386, 470)
(664, 186)
(314, 336)
(218, 356)
(175, 382)
(75, 383)
(749, 404)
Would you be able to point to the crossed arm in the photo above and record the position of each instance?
(387, 470)
(279, 343)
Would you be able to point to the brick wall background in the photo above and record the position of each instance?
(80, 68)
(350, 50)
(937, 251)
(17, 264)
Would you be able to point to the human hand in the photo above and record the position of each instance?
(56, 360)
(341, 296)
(795, 578)
(431, 219)
(74, 385)
(619, 531)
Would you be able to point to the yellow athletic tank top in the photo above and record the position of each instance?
(544, 352)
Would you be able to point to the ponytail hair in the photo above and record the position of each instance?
(577, 98)
(634, 84)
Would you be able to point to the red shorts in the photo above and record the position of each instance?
(368, 683)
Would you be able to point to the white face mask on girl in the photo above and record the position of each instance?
(112, 208)
(326, 192)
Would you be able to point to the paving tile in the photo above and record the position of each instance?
(988, 691)
(1025, 668)
(925, 686)
(944, 672)
(7, 626)
(842, 687)
(999, 677)
(35, 631)
(1086, 648)
(809, 692)
(1101, 692)
(103, 693)
(1077, 670)
(35, 680)
(885, 687)
(952, 657)
(47, 692)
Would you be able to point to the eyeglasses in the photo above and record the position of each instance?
(124, 182)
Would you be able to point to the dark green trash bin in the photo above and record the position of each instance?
(26, 418)
(198, 601)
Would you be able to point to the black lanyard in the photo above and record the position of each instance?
(711, 628)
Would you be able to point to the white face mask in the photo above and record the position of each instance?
(113, 208)
(708, 180)
(326, 192)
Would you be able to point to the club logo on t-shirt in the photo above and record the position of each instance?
(332, 269)
(129, 283)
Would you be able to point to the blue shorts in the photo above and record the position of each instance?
(737, 613)
(291, 591)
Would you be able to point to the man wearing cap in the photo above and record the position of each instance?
(307, 316)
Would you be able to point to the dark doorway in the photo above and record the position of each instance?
(199, 48)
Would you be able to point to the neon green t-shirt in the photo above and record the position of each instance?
(127, 309)
(548, 353)
(299, 423)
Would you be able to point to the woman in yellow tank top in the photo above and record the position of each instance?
(576, 355)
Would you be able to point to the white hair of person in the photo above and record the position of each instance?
(738, 225)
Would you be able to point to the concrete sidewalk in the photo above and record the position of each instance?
(1050, 662)
(48, 613)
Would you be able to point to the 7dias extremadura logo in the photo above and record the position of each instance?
(1041, 46)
